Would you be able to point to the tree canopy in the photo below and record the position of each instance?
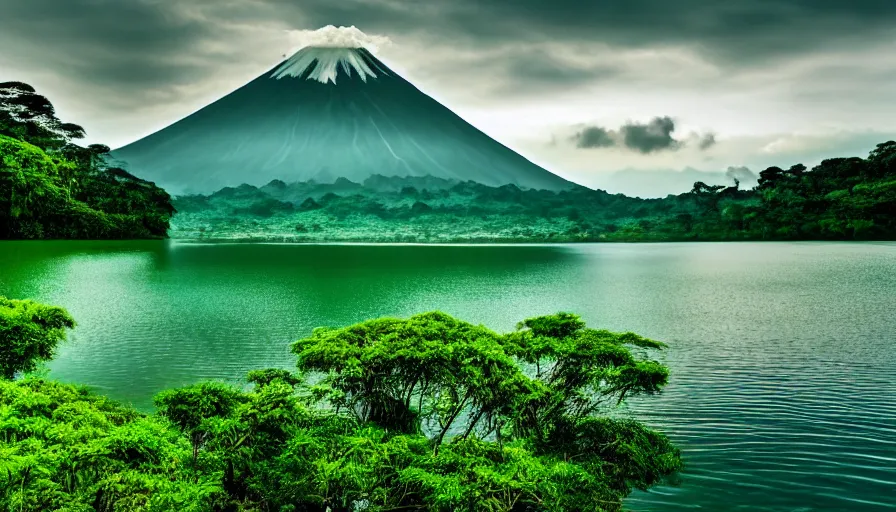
(428, 413)
(839, 199)
(29, 334)
(51, 187)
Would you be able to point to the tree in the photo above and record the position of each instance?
(262, 378)
(883, 159)
(66, 448)
(459, 385)
(309, 204)
(29, 334)
(415, 374)
(769, 177)
(30, 117)
(686, 221)
(30, 187)
(189, 408)
(419, 208)
(579, 371)
(707, 197)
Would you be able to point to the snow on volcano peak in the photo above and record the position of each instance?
(324, 63)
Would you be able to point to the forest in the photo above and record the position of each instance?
(428, 413)
(839, 199)
(51, 187)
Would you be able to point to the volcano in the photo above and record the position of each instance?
(323, 114)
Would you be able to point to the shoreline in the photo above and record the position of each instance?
(447, 243)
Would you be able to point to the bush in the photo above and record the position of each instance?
(428, 413)
(29, 334)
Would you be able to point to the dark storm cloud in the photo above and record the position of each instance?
(120, 42)
(594, 137)
(134, 42)
(651, 137)
(544, 68)
(735, 29)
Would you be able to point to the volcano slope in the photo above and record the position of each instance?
(324, 114)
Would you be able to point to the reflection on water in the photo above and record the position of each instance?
(781, 354)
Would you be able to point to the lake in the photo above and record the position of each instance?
(782, 355)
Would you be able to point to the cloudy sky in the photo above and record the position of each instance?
(637, 96)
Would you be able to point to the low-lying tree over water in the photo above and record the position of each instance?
(428, 413)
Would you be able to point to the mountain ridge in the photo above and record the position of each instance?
(299, 120)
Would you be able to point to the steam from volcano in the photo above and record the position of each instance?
(338, 37)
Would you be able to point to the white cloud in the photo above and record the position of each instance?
(338, 37)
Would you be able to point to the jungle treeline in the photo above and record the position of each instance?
(50, 187)
(839, 199)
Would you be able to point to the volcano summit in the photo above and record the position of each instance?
(325, 113)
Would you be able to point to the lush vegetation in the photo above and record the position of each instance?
(840, 199)
(429, 413)
(29, 334)
(52, 188)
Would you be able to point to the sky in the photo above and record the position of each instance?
(642, 97)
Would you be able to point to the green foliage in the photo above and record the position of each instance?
(192, 408)
(30, 117)
(580, 371)
(64, 448)
(29, 334)
(428, 413)
(52, 188)
(268, 376)
(844, 198)
(501, 438)
(400, 373)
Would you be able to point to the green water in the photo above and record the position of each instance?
(782, 355)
